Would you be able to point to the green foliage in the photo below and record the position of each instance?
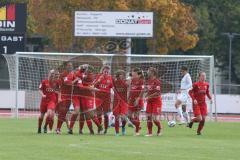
(215, 17)
(174, 24)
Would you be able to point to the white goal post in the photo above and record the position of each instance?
(27, 69)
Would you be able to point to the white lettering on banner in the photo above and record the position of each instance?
(112, 24)
(7, 24)
(133, 21)
(11, 38)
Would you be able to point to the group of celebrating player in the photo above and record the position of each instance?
(90, 95)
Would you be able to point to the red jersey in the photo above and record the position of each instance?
(105, 83)
(78, 84)
(86, 83)
(199, 91)
(137, 86)
(79, 74)
(120, 89)
(88, 80)
(154, 86)
(66, 82)
(49, 89)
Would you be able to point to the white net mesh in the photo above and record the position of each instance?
(26, 71)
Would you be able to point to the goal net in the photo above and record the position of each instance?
(28, 69)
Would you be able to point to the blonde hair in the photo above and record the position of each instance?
(105, 67)
(201, 72)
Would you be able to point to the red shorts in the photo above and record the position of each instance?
(154, 106)
(120, 108)
(64, 104)
(200, 109)
(87, 104)
(76, 102)
(47, 104)
(65, 97)
(138, 107)
(104, 104)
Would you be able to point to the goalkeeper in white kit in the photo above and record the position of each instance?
(182, 97)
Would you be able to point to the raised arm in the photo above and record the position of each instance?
(208, 93)
(191, 92)
(189, 82)
(41, 86)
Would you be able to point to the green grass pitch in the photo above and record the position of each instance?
(19, 141)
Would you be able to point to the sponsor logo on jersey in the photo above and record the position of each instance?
(49, 89)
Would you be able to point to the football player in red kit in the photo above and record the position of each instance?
(65, 98)
(198, 94)
(76, 99)
(89, 102)
(104, 83)
(154, 101)
(120, 107)
(49, 92)
(135, 100)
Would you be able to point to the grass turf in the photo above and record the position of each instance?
(19, 141)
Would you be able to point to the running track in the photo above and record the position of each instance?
(32, 114)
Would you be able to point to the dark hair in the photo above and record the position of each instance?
(67, 63)
(139, 72)
(184, 68)
(119, 72)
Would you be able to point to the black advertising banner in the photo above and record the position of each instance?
(13, 18)
(12, 43)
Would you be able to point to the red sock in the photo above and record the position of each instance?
(116, 125)
(200, 126)
(100, 119)
(61, 119)
(96, 121)
(51, 121)
(81, 122)
(137, 124)
(106, 122)
(89, 124)
(72, 120)
(62, 112)
(158, 124)
(149, 125)
(40, 120)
